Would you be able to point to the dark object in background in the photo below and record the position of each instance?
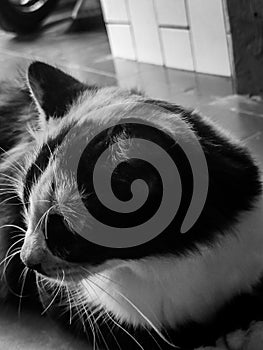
(246, 25)
(24, 16)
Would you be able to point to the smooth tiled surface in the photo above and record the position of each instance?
(171, 12)
(177, 48)
(210, 46)
(87, 56)
(206, 49)
(121, 40)
(115, 10)
(145, 29)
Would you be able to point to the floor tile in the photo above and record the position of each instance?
(255, 145)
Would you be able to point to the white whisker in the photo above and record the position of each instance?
(54, 298)
(24, 274)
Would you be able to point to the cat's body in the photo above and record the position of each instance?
(185, 290)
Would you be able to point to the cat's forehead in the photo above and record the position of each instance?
(99, 115)
(110, 106)
(89, 103)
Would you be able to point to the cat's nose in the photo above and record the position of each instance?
(32, 255)
(32, 259)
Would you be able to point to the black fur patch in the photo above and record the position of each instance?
(54, 89)
(41, 163)
(234, 184)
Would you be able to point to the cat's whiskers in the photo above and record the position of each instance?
(7, 154)
(35, 164)
(46, 220)
(9, 252)
(8, 199)
(41, 289)
(80, 311)
(148, 320)
(152, 325)
(13, 163)
(42, 218)
(92, 326)
(75, 305)
(115, 322)
(14, 226)
(13, 180)
(69, 303)
(56, 294)
(7, 260)
(96, 327)
(156, 318)
(19, 170)
(31, 129)
(78, 303)
(80, 316)
(11, 186)
(23, 274)
(4, 192)
(104, 313)
(147, 330)
(126, 332)
(18, 235)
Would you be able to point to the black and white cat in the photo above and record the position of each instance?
(173, 291)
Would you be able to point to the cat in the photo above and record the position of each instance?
(173, 291)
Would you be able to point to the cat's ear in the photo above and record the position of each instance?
(53, 90)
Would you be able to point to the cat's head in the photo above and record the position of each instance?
(70, 112)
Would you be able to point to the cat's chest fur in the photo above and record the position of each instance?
(172, 290)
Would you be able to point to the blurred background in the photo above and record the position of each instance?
(202, 54)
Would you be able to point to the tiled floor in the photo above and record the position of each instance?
(87, 56)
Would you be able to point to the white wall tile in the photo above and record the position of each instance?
(177, 48)
(114, 10)
(209, 37)
(171, 12)
(145, 29)
(121, 41)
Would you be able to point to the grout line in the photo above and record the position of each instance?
(174, 26)
(69, 66)
(244, 111)
(119, 22)
(188, 17)
(159, 34)
(228, 36)
(127, 5)
(251, 137)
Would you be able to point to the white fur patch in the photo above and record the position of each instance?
(170, 290)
